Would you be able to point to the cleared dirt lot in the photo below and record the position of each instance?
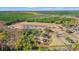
(54, 27)
(59, 35)
(38, 24)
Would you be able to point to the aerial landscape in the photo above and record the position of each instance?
(39, 29)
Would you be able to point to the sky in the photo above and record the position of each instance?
(37, 8)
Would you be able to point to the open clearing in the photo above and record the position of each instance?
(58, 37)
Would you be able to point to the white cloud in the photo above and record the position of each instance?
(36, 3)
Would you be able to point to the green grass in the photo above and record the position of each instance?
(69, 12)
(14, 17)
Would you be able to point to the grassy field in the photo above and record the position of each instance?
(46, 17)
(73, 13)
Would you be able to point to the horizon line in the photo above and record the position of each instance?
(38, 8)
